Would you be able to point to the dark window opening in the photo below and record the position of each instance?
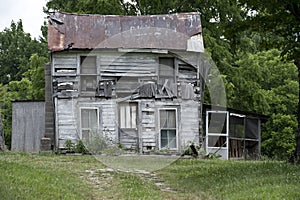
(217, 123)
(88, 65)
(88, 74)
(166, 79)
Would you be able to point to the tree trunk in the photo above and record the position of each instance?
(297, 150)
(2, 143)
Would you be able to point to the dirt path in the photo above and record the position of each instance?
(102, 178)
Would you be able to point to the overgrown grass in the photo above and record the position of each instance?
(43, 177)
(51, 176)
(209, 179)
(130, 186)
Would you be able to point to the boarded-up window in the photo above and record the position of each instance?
(89, 122)
(168, 131)
(128, 115)
(167, 75)
(88, 73)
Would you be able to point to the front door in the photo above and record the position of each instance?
(128, 129)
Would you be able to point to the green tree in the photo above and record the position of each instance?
(22, 61)
(88, 6)
(15, 50)
(265, 83)
(36, 75)
(277, 19)
(30, 87)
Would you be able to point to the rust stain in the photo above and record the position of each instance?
(109, 31)
(55, 39)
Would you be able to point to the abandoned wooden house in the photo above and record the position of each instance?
(136, 80)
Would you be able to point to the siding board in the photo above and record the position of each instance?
(28, 126)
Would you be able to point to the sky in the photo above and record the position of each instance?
(30, 11)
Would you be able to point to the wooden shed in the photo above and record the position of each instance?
(137, 80)
(28, 125)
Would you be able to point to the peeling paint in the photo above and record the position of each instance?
(195, 43)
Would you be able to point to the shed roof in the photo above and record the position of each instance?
(208, 107)
(83, 31)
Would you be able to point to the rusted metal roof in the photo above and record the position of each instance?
(172, 31)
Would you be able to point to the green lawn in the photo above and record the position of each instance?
(51, 176)
(235, 179)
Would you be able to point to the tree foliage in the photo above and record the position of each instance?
(16, 47)
(30, 87)
(265, 83)
(275, 19)
(22, 61)
(104, 7)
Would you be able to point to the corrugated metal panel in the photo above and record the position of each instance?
(171, 31)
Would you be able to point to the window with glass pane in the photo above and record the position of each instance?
(167, 73)
(89, 122)
(167, 119)
(88, 65)
(88, 83)
(88, 73)
(127, 115)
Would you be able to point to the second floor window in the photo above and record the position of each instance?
(167, 76)
(88, 74)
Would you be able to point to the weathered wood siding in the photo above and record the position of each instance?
(128, 71)
(108, 115)
(28, 126)
(128, 64)
(64, 71)
(68, 118)
(49, 111)
(66, 121)
(148, 125)
(189, 123)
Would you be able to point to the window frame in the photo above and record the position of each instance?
(82, 75)
(222, 150)
(176, 129)
(130, 104)
(97, 120)
(175, 70)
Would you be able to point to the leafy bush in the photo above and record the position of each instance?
(80, 147)
(97, 143)
(278, 138)
(70, 145)
(189, 151)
